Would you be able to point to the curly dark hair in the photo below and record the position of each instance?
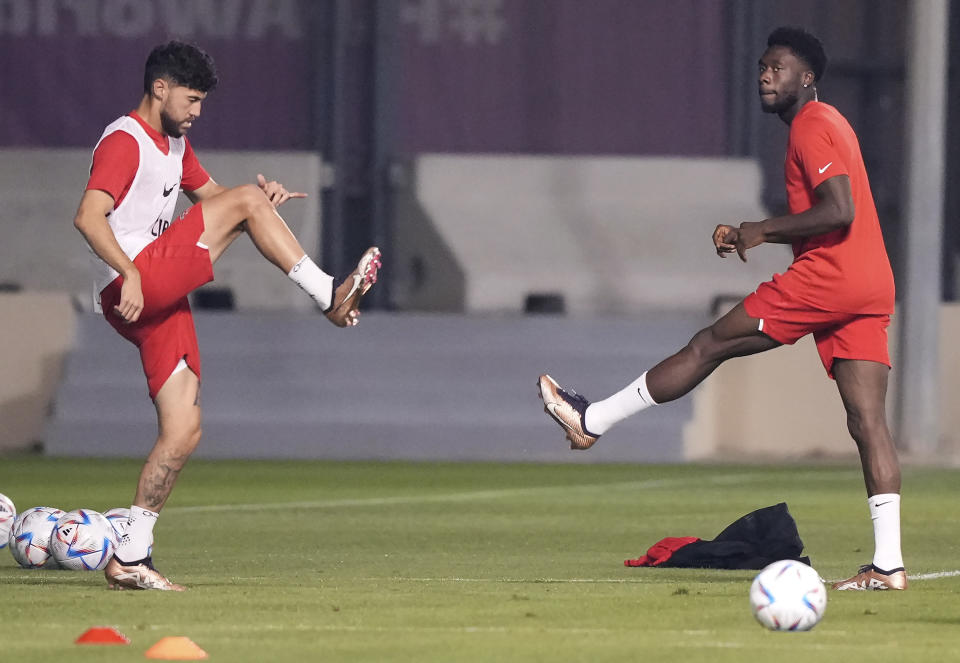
(182, 63)
(804, 45)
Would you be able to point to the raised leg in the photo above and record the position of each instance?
(736, 334)
(733, 335)
(246, 208)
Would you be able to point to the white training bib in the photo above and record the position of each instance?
(147, 208)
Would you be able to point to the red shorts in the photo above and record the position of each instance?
(170, 267)
(786, 319)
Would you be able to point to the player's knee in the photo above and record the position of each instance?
(704, 345)
(184, 438)
(250, 199)
(195, 436)
(186, 441)
(866, 425)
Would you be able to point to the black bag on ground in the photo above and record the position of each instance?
(755, 540)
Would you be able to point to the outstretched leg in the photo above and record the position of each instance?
(863, 389)
(736, 334)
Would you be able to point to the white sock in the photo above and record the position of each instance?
(635, 397)
(885, 512)
(135, 543)
(314, 281)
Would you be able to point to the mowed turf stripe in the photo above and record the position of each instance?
(486, 494)
(935, 576)
(616, 581)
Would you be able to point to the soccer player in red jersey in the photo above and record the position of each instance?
(838, 288)
(146, 263)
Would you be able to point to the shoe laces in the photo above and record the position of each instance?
(578, 402)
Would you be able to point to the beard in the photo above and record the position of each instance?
(783, 102)
(170, 126)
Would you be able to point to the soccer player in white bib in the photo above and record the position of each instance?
(146, 263)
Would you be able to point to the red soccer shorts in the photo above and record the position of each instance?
(171, 267)
(786, 319)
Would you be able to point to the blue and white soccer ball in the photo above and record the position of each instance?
(83, 540)
(8, 513)
(30, 537)
(118, 518)
(788, 596)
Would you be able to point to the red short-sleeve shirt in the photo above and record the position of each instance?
(846, 270)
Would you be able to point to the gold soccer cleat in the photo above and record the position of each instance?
(140, 575)
(343, 310)
(870, 577)
(567, 408)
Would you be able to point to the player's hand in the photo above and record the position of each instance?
(724, 239)
(131, 299)
(749, 235)
(276, 192)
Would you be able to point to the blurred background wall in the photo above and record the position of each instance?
(503, 153)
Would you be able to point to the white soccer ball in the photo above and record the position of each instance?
(118, 518)
(30, 537)
(788, 596)
(8, 513)
(83, 540)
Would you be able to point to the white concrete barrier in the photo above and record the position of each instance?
(37, 332)
(610, 234)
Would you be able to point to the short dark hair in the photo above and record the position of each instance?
(804, 45)
(184, 64)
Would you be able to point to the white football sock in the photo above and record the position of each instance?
(314, 281)
(135, 543)
(635, 397)
(885, 512)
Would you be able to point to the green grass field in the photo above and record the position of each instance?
(312, 561)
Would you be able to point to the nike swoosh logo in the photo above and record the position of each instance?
(882, 503)
(640, 394)
(551, 408)
(357, 280)
(823, 170)
(167, 192)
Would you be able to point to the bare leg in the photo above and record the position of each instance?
(246, 208)
(733, 335)
(179, 416)
(863, 388)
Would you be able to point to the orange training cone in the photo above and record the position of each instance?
(102, 635)
(176, 648)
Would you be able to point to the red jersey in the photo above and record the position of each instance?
(846, 270)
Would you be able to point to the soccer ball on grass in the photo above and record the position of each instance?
(30, 537)
(788, 596)
(83, 540)
(8, 513)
